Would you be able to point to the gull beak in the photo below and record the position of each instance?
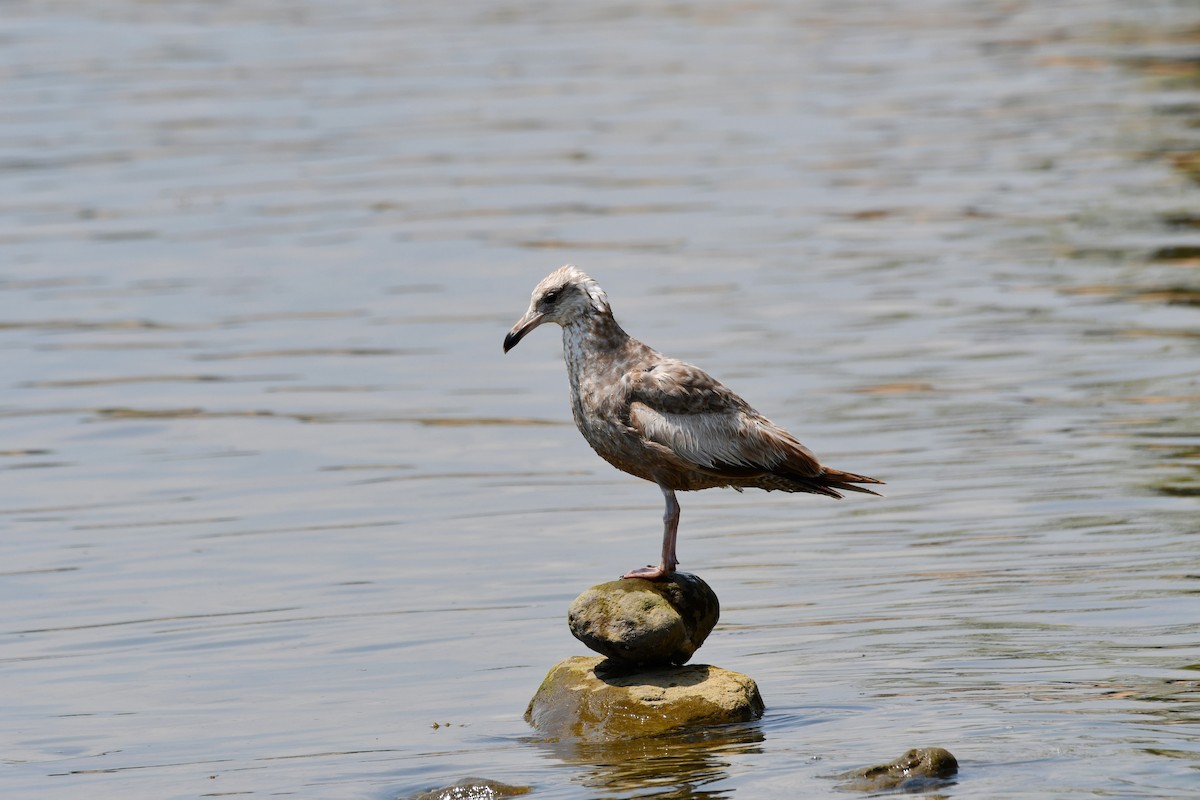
(524, 325)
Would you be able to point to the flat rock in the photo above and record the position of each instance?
(637, 622)
(590, 698)
(917, 769)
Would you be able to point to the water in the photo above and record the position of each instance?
(280, 519)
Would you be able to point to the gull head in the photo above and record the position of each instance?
(565, 296)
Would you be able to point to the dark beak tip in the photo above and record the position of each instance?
(524, 326)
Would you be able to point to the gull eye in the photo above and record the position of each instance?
(551, 296)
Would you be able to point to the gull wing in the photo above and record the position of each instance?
(703, 423)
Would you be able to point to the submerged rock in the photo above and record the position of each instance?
(590, 698)
(473, 789)
(637, 622)
(916, 769)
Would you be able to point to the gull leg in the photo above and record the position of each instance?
(670, 533)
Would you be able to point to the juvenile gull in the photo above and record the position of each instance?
(662, 419)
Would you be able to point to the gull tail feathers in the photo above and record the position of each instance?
(829, 482)
(845, 481)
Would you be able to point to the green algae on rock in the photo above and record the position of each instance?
(639, 622)
(590, 698)
(918, 768)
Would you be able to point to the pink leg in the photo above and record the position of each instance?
(670, 533)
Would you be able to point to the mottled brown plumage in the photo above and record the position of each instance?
(662, 419)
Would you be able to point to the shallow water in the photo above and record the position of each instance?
(280, 519)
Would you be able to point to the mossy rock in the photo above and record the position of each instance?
(590, 698)
(473, 789)
(639, 622)
(918, 769)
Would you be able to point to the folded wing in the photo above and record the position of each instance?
(684, 409)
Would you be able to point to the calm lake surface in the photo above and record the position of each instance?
(279, 518)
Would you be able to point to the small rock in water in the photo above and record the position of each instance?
(581, 698)
(919, 768)
(638, 622)
(473, 789)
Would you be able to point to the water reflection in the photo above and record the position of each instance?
(678, 766)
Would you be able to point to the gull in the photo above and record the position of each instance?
(663, 419)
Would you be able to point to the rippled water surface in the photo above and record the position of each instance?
(279, 518)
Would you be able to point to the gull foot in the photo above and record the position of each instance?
(649, 573)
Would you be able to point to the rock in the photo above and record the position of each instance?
(586, 698)
(473, 789)
(917, 769)
(637, 622)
